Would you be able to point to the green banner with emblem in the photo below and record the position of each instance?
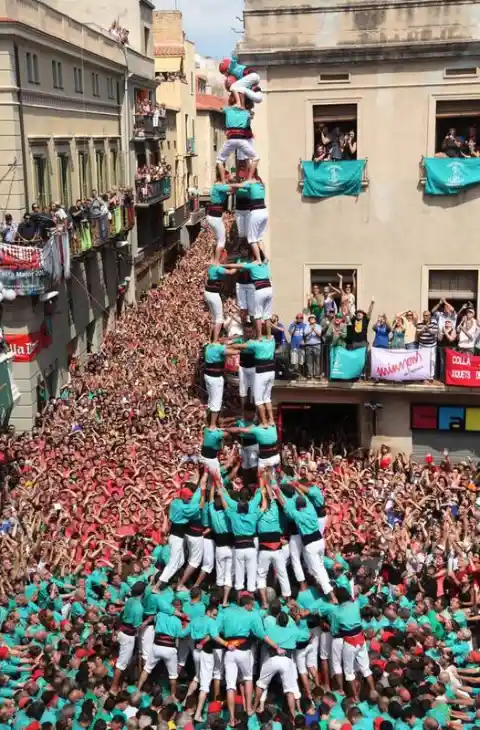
(326, 179)
(450, 175)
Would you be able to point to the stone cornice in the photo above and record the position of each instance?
(403, 51)
(355, 5)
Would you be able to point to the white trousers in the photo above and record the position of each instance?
(205, 671)
(218, 227)
(263, 387)
(326, 649)
(266, 558)
(126, 646)
(195, 550)
(263, 303)
(312, 659)
(223, 565)
(212, 465)
(257, 225)
(208, 560)
(167, 654)
(296, 547)
(218, 663)
(176, 559)
(148, 636)
(241, 218)
(313, 553)
(215, 306)
(245, 566)
(246, 298)
(281, 665)
(214, 386)
(250, 456)
(246, 381)
(336, 655)
(355, 657)
(269, 461)
(306, 658)
(233, 145)
(238, 662)
(245, 86)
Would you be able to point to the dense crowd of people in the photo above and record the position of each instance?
(148, 174)
(160, 570)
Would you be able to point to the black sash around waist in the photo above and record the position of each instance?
(262, 284)
(164, 640)
(264, 366)
(266, 539)
(350, 632)
(215, 370)
(223, 539)
(291, 528)
(242, 204)
(313, 537)
(216, 211)
(195, 529)
(265, 451)
(242, 542)
(209, 453)
(303, 644)
(321, 511)
(244, 277)
(213, 286)
(243, 643)
(235, 133)
(257, 204)
(247, 360)
(177, 530)
(247, 440)
(128, 629)
(208, 647)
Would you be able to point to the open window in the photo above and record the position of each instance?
(335, 131)
(325, 277)
(458, 287)
(457, 127)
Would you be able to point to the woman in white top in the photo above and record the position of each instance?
(468, 332)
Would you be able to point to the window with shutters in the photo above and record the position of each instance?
(457, 287)
(456, 126)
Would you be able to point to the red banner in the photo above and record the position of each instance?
(462, 369)
(26, 347)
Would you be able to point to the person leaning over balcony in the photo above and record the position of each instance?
(409, 320)
(312, 336)
(349, 149)
(358, 327)
(297, 343)
(382, 331)
(447, 338)
(397, 334)
(468, 330)
(27, 230)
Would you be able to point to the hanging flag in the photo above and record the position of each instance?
(449, 175)
(347, 364)
(326, 179)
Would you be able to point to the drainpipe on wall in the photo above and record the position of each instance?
(21, 122)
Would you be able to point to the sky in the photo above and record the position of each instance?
(208, 23)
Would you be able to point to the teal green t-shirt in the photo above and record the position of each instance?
(213, 438)
(215, 353)
(216, 273)
(265, 436)
(219, 193)
(264, 350)
(236, 118)
(258, 272)
(132, 613)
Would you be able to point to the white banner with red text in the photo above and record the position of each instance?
(403, 365)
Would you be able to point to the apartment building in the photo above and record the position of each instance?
(64, 112)
(142, 127)
(176, 77)
(398, 75)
